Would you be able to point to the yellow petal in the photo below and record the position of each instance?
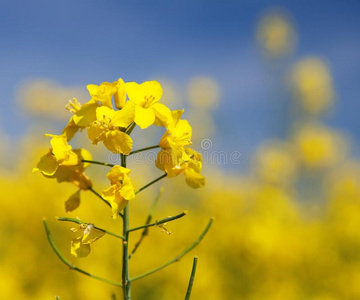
(70, 129)
(123, 118)
(167, 161)
(103, 93)
(72, 160)
(96, 132)
(162, 113)
(91, 234)
(78, 249)
(117, 173)
(47, 164)
(194, 179)
(73, 175)
(60, 147)
(127, 190)
(117, 202)
(144, 117)
(145, 94)
(73, 202)
(120, 95)
(86, 115)
(83, 154)
(118, 142)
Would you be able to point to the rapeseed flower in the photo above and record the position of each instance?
(168, 161)
(106, 129)
(65, 164)
(120, 191)
(80, 246)
(143, 99)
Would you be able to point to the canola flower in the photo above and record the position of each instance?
(110, 115)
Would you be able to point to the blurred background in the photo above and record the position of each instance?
(271, 89)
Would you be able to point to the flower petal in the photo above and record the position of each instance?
(123, 118)
(144, 117)
(194, 179)
(73, 202)
(118, 142)
(47, 164)
(78, 249)
(163, 114)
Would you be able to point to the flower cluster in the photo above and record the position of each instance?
(109, 117)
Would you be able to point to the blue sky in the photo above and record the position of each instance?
(81, 42)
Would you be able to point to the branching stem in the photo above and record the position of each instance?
(74, 220)
(69, 264)
(168, 219)
(177, 258)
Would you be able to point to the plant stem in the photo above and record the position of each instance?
(144, 149)
(151, 183)
(168, 219)
(192, 276)
(125, 254)
(97, 163)
(177, 258)
(98, 228)
(69, 264)
(148, 220)
(130, 128)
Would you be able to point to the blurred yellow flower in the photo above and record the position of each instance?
(45, 98)
(203, 92)
(80, 246)
(276, 35)
(276, 163)
(318, 146)
(312, 85)
(144, 98)
(120, 191)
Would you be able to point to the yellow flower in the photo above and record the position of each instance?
(120, 191)
(276, 35)
(168, 161)
(103, 93)
(312, 85)
(177, 136)
(80, 247)
(65, 164)
(83, 116)
(320, 147)
(106, 129)
(144, 100)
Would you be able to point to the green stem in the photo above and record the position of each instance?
(107, 203)
(148, 220)
(130, 128)
(192, 276)
(69, 264)
(151, 183)
(177, 258)
(125, 254)
(74, 220)
(144, 149)
(97, 163)
(168, 219)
